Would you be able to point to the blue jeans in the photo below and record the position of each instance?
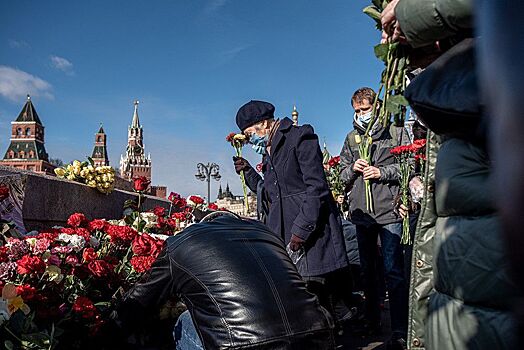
(185, 334)
(393, 260)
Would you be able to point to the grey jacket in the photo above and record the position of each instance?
(385, 189)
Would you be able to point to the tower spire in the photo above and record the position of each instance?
(136, 122)
(294, 115)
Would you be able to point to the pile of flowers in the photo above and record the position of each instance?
(332, 169)
(65, 278)
(406, 155)
(59, 286)
(100, 177)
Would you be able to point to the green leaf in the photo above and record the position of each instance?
(398, 99)
(372, 12)
(381, 52)
(91, 161)
(392, 107)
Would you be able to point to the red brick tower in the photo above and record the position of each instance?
(99, 155)
(134, 162)
(27, 150)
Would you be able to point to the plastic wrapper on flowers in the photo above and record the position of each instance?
(58, 286)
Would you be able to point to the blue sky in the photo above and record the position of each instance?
(191, 64)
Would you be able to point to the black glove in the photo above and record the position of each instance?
(296, 243)
(241, 164)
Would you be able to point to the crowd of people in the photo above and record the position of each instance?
(279, 283)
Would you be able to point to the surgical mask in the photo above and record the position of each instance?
(364, 119)
(258, 143)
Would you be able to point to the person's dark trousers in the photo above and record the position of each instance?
(394, 273)
(331, 287)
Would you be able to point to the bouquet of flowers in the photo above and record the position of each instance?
(405, 155)
(238, 141)
(364, 151)
(333, 169)
(101, 177)
(57, 286)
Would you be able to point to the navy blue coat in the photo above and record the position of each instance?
(300, 201)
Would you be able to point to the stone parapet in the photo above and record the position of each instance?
(46, 201)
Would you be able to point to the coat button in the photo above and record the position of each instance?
(419, 263)
(416, 342)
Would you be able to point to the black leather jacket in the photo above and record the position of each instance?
(241, 288)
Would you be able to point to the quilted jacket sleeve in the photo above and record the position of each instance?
(426, 21)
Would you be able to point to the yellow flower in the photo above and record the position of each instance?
(91, 184)
(358, 139)
(239, 137)
(60, 172)
(71, 176)
(76, 163)
(14, 301)
(370, 140)
(55, 274)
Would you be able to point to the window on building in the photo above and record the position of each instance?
(19, 131)
(99, 139)
(27, 131)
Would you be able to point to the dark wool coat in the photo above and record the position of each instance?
(300, 201)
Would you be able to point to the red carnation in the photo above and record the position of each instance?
(3, 254)
(180, 216)
(334, 161)
(84, 307)
(30, 264)
(71, 260)
(229, 138)
(97, 225)
(82, 232)
(196, 199)
(100, 268)
(4, 192)
(142, 263)
(67, 230)
(27, 292)
(159, 211)
(260, 167)
(141, 183)
(177, 200)
(121, 234)
(76, 220)
(212, 206)
(89, 255)
(144, 244)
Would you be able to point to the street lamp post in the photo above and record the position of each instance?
(205, 172)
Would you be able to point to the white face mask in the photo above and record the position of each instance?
(363, 119)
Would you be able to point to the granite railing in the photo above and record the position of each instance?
(42, 201)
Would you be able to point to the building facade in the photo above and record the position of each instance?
(27, 148)
(235, 204)
(99, 155)
(134, 162)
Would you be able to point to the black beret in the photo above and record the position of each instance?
(254, 112)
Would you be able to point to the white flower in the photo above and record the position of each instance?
(64, 237)
(77, 242)
(149, 218)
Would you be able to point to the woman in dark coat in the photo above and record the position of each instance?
(302, 210)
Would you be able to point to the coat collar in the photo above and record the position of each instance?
(285, 125)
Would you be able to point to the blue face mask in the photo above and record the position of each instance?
(258, 143)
